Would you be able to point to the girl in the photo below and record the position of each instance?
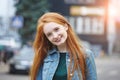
(58, 52)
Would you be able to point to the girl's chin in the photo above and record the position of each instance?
(59, 44)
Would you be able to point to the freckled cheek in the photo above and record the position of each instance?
(65, 33)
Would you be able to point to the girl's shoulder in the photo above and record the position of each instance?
(88, 52)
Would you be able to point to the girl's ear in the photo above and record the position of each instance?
(66, 27)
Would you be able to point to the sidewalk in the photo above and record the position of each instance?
(3, 68)
(112, 56)
(107, 59)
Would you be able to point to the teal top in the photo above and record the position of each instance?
(61, 72)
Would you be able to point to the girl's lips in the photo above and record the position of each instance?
(58, 39)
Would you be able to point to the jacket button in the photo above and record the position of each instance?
(71, 74)
(68, 60)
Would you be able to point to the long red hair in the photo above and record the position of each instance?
(42, 45)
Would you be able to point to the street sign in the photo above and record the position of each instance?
(17, 21)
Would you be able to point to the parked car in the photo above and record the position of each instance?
(11, 45)
(22, 61)
(10, 41)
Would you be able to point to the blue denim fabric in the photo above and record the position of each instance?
(47, 70)
(90, 65)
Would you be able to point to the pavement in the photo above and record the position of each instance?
(108, 67)
(111, 56)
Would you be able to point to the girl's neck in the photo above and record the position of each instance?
(62, 48)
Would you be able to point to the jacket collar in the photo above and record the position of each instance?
(54, 50)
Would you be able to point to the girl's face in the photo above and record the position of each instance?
(56, 33)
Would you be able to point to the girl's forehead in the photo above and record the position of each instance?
(50, 26)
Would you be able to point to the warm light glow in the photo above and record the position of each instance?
(83, 10)
(112, 10)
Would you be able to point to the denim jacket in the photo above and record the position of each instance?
(47, 70)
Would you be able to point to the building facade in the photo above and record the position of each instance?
(88, 18)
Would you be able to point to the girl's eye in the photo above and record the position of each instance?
(56, 29)
(49, 34)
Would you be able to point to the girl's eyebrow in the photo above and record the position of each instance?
(56, 28)
(49, 33)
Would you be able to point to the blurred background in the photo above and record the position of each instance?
(96, 22)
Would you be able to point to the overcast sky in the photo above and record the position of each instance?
(7, 8)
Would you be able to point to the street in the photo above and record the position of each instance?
(107, 69)
(4, 75)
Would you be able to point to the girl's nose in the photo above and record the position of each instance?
(55, 35)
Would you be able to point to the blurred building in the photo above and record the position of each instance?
(95, 21)
(88, 18)
(114, 26)
(7, 11)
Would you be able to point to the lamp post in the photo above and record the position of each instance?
(6, 21)
(112, 12)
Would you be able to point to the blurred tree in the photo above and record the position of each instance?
(31, 10)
